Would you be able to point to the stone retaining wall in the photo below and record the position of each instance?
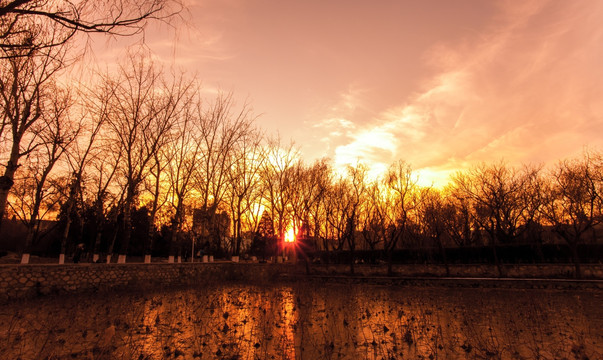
(18, 281)
(533, 271)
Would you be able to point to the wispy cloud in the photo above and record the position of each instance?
(524, 90)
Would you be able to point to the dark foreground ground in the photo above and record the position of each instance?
(307, 320)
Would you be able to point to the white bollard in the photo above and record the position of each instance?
(205, 258)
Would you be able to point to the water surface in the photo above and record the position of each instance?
(307, 321)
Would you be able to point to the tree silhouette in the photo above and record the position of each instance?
(39, 24)
(573, 202)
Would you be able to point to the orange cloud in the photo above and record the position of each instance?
(526, 90)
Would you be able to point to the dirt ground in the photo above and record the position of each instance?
(309, 320)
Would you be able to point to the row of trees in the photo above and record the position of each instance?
(38, 41)
(141, 136)
(487, 205)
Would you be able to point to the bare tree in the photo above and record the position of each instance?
(34, 198)
(277, 176)
(39, 24)
(155, 185)
(176, 110)
(342, 211)
(80, 155)
(253, 202)
(244, 181)
(25, 87)
(459, 218)
(95, 161)
(297, 195)
(374, 217)
(222, 128)
(317, 184)
(309, 186)
(183, 152)
(105, 196)
(533, 195)
(336, 214)
(54, 134)
(433, 212)
(573, 202)
(402, 201)
(143, 110)
(358, 181)
(496, 195)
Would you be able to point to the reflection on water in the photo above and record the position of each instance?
(308, 321)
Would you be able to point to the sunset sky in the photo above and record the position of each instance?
(440, 84)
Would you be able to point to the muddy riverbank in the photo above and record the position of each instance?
(27, 281)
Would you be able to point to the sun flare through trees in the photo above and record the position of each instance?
(141, 160)
(143, 163)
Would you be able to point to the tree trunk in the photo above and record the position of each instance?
(31, 226)
(443, 254)
(351, 245)
(148, 245)
(112, 244)
(575, 259)
(237, 225)
(28, 241)
(499, 266)
(175, 232)
(127, 223)
(64, 238)
(7, 180)
(65, 235)
(493, 245)
(6, 184)
(97, 241)
(173, 244)
(390, 270)
(390, 250)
